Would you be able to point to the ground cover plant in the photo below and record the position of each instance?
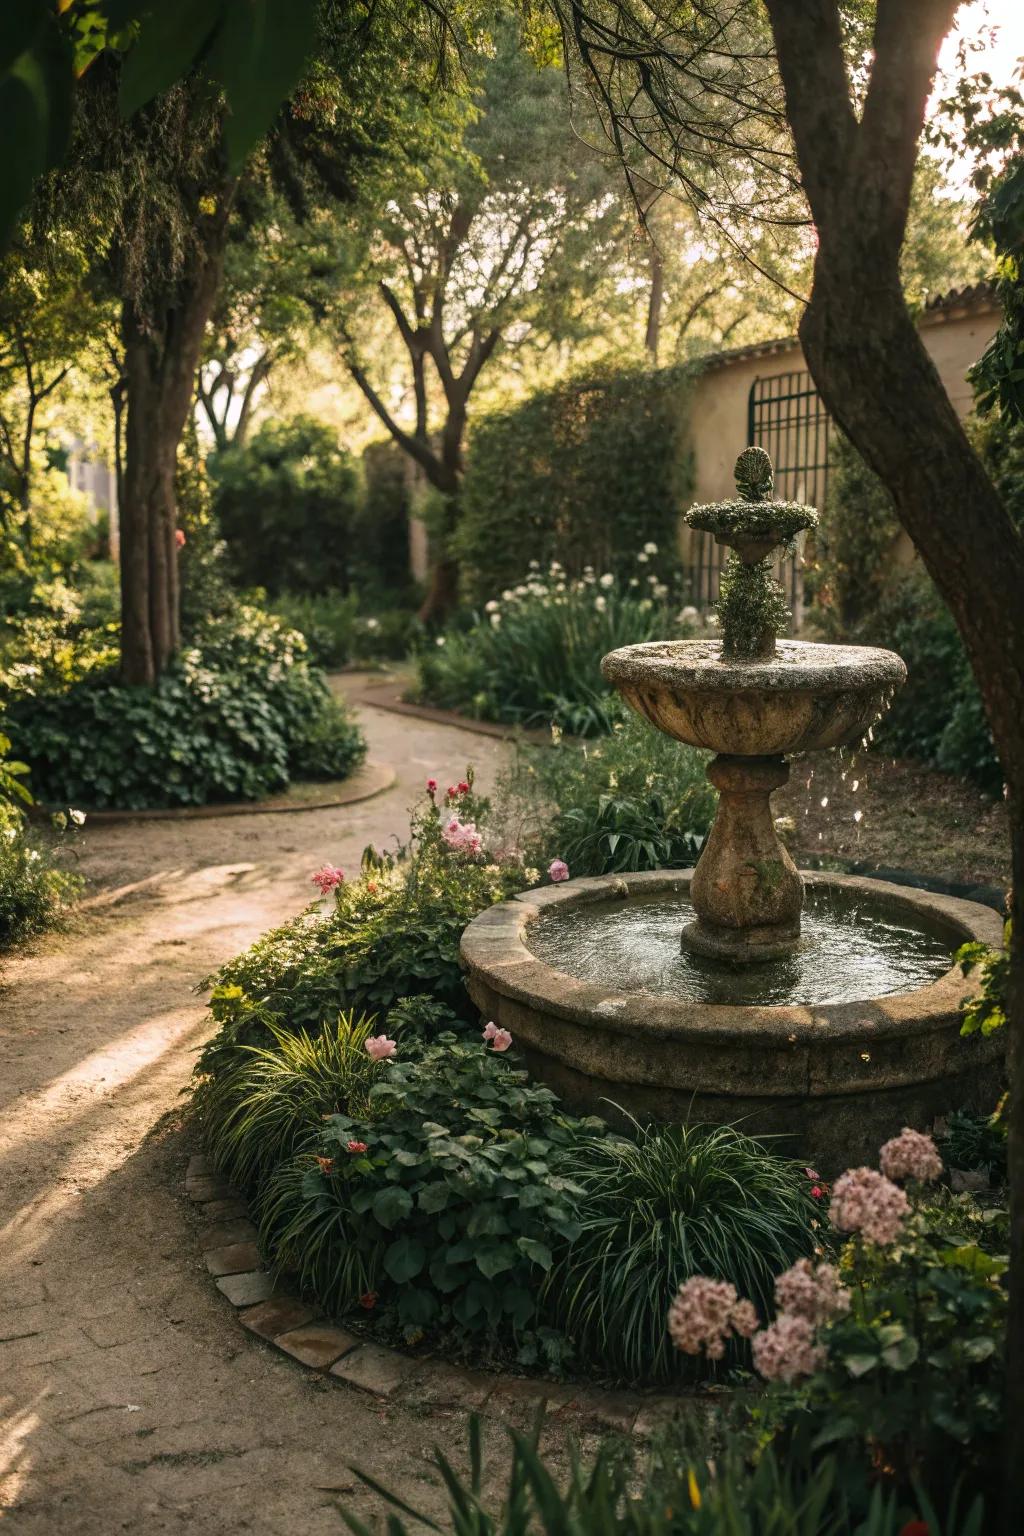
(35, 890)
(532, 657)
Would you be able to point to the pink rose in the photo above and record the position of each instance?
(501, 1040)
(327, 877)
(380, 1047)
(558, 870)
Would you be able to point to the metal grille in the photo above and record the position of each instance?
(785, 416)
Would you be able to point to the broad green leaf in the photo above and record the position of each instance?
(539, 1252)
(260, 54)
(404, 1259)
(171, 38)
(859, 1365)
(391, 1204)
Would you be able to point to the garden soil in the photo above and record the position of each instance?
(130, 1397)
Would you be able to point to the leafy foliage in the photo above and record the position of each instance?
(236, 716)
(337, 633)
(284, 502)
(677, 1490)
(633, 800)
(583, 473)
(451, 1209)
(35, 893)
(987, 1011)
(977, 1143)
(534, 656)
(656, 1207)
(390, 935)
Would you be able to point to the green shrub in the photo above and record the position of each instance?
(35, 893)
(656, 1207)
(285, 503)
(862, 595)
(446, 1199)
(390, 935)
(534, 656)
(236, 716)
(337, 634)
(633, 800)
(583, 473)
(977, 1143)
(380, 553)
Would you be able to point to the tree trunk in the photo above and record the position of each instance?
(881, 387)
(162, 350)
(655, 303)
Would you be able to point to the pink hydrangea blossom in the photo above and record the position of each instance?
(463, 836)
(867, 1202)
(327, 877)
(490, 1030)
(380, 1047)
(786, 1350)
(558, 870)
(910, 1155)
(703, 1315)
(812, 1291)
(501, 1040)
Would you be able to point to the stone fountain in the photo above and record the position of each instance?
(822, 1007)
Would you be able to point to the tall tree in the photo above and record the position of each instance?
(487, 231)
(856, 133)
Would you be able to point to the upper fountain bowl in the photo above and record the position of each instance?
(804, 698)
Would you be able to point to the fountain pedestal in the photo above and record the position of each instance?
(746, 889)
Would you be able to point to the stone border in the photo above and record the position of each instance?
(305, 1335)
(368, 780)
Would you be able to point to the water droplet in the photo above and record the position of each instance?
(855, 785)
(857, 815)
(824, 801)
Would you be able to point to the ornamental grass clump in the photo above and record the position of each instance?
(533, 656)
(660, 1206)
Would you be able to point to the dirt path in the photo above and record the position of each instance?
(130, 1400)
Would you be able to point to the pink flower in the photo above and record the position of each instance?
(326, 1164)
(812, 1292)
(501, 1040)
(356, 1147)
(463, 836)
(179, 538)
(787, 1349)
(431, 786)
(380, 1047)
(910, 1155)
(816, 1192)
(703, 1315)
(867, 1202)
(462, 788)
(327, 877)
(558, 870)
(368, 1300)
(490, 1030)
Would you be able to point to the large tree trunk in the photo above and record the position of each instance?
(162, 349)
(880, 385)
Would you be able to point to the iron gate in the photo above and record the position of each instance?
(785, 416)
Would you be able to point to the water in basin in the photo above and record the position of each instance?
(850, 951)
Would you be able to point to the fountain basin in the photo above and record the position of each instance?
(835, 1077)
(804, 698)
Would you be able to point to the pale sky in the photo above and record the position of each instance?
(1000, 55)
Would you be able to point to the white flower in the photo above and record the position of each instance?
(508, 594)
(634, 581)
(439, 640)
(534, 565)
(78, 817)
(650, 548)
(644, 604)
(520, 591)
(689, 615)
(607, 580)
(600, 603)
(495, 620)
(373, 624)
(660, 591)
(643, 557)
(492, 606)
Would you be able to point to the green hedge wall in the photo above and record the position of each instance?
(586, 473)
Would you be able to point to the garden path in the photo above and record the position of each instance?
(130, 1399)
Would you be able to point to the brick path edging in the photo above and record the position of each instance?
(299, 1331)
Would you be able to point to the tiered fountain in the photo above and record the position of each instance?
(823, 1007)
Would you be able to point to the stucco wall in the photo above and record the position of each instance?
(955, 338)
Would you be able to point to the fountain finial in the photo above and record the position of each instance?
(755, 477)
(751, 605)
